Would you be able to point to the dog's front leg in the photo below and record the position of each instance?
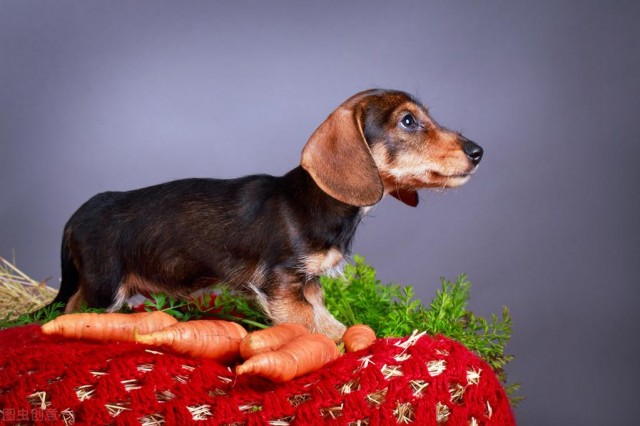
(297, 301)
(324, 322)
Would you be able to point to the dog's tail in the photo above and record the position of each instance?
(70, 277)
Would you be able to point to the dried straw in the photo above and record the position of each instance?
(20, 294)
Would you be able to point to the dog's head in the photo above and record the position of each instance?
(384, 141)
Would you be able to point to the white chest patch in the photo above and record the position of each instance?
(328, 262)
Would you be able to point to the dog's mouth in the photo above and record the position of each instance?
(447, 180)
(427, 179)
(452, 175)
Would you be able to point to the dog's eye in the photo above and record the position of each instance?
(409, 122)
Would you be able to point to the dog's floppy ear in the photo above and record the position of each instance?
(339, 160)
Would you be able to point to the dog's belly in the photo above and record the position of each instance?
(235, 272)
(133, 284)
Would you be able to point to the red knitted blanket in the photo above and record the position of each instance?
(419, 380)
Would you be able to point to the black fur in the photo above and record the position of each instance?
(189, 233)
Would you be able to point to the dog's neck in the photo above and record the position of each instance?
(327, 220)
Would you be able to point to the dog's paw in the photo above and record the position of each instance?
(329, 326)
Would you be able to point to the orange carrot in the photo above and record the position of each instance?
(215, 339)
(299, 356)
(270, 339)
(108, 326)
(359, 336)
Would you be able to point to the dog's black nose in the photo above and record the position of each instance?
(473, 150)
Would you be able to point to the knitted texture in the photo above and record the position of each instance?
(419, 380)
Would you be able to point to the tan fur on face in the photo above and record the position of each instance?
(430, 158)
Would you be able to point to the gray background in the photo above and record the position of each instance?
(118, 95)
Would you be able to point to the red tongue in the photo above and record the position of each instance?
(407, 196)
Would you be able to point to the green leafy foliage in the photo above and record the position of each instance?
(181, 310)
(392, 310)
(238, 307)
(225, 304)
(40, 316)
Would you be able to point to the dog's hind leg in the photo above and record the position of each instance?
(101, 286)
(94, 280)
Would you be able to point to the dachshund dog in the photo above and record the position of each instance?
(270, 236)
